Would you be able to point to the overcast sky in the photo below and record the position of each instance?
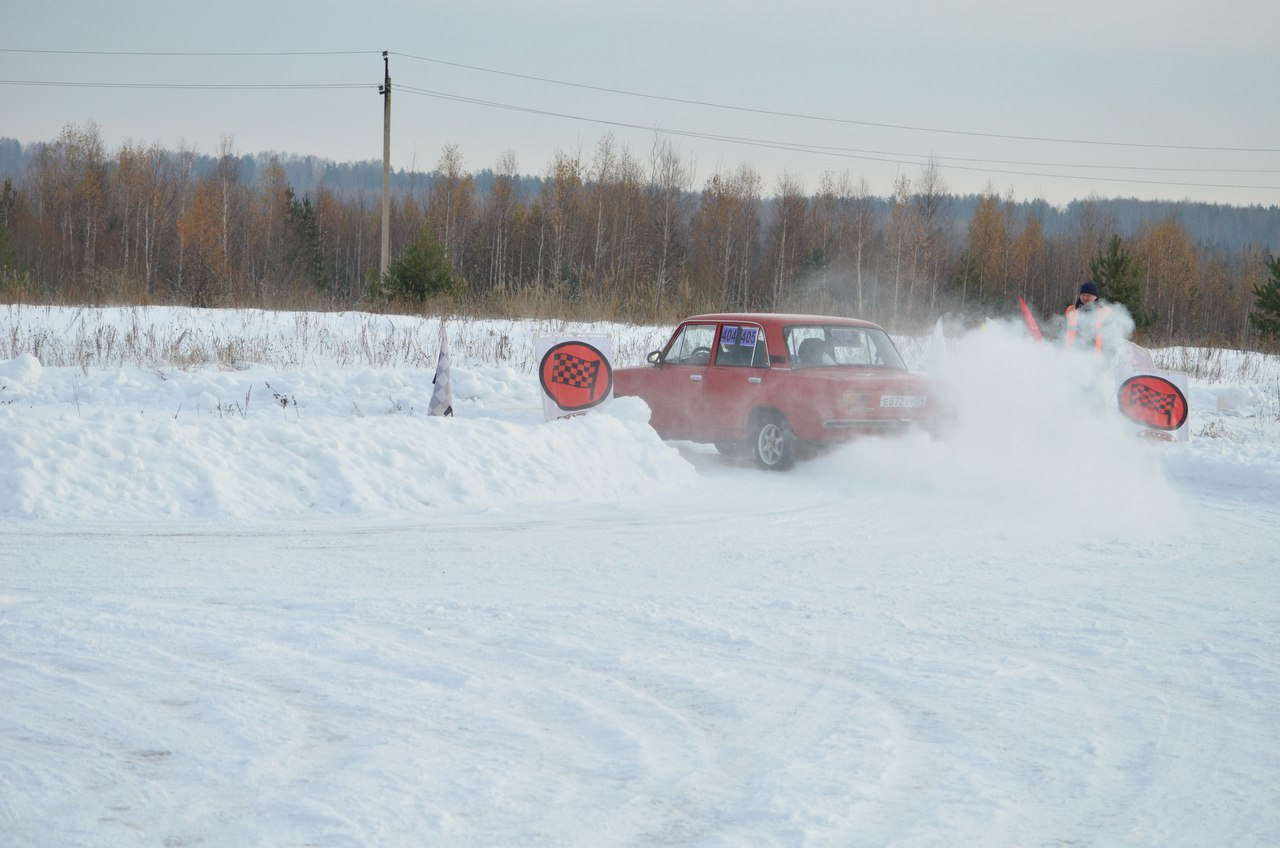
(1168, 99)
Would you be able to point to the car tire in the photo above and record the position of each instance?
(773, 442)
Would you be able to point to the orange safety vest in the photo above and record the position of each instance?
(1073, 327)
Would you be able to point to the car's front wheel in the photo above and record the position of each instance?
(773, 442)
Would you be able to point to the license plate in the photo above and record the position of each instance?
(903, 401)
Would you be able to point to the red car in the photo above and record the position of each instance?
(777, 384)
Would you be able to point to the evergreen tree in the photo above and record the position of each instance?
(8, 213)
(305, 250)
(971, 288)
(968, 279)
(1116, 274)
(14, 281)
(1265, 315)
(422, 272)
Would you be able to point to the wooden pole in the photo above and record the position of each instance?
(386, 166)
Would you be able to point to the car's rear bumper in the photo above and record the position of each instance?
(838, 428)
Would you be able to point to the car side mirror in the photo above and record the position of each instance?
(654, 357)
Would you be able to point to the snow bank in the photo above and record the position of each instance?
(104, 443)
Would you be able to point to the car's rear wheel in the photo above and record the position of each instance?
(773, 442)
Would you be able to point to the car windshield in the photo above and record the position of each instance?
(815, 345)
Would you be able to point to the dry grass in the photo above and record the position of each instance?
(160, 337)
(1215, 365)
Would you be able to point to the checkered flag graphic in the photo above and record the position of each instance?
(574, 371)
(1161, 403)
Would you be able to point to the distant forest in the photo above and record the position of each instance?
(1210, 224)
(613, 234)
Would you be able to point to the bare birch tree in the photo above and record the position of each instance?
(670, 181)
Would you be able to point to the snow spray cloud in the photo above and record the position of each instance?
(1035, 431)
(1117, 329)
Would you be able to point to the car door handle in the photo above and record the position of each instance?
(753, 380)
(695, 377)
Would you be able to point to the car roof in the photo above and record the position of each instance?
(780, 319)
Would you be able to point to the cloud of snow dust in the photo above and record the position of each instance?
(1116, 329)
(1035, 429)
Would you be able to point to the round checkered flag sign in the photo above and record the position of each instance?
(575, 375)
(1153, 402)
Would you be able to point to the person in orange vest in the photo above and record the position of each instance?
(1087, 319)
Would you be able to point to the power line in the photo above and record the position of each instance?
(828, 119)
(659, 97)
(884, 156)
(190, 86)
(843, 153)
(189, 53)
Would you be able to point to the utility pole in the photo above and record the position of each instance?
(385, 91)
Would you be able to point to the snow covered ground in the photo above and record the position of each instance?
(251, 594)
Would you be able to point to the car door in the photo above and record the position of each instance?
(735, 383)
(675, 397)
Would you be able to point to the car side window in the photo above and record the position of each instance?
(809, 346)
(742, 346)
(859, 347)
(692, 345)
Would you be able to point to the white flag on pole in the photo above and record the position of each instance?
(442, 395)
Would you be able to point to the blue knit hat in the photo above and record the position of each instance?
(1090, 287)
